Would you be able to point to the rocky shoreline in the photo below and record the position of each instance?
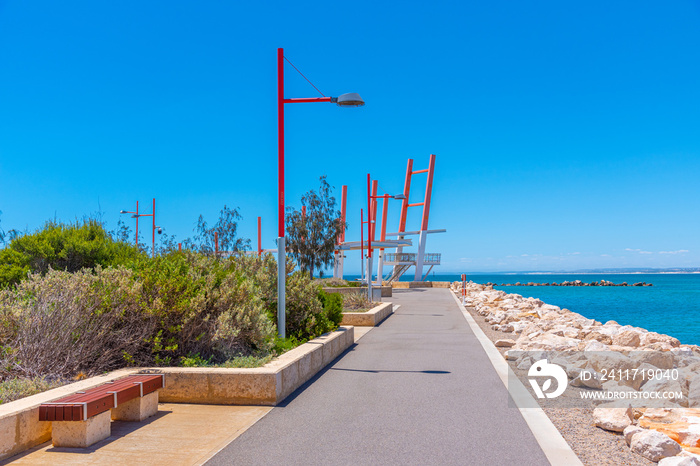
(571, 283)
(609, 433)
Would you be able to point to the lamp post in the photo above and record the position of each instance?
(344, 100)
(136, 215)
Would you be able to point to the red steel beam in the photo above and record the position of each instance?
(428, 192)
(375, 184)
(406, 192)
(306, 100)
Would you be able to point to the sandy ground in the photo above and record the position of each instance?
(594, 446)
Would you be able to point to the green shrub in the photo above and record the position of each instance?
(60, 246)
(332, 305)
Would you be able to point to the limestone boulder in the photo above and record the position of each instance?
(667, 389)
(660, 415)
(679, 461)
(598, 336)
(694, 391)
(595, 345)
(659, 359)
(653, 337)
(654, 445)
(589, 379)
(608, 361)
(525, 364)
(627, 338)
(505, 343)
(629, 431)
(613, 419)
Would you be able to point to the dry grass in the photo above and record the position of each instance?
(16, 388)
(357, 302)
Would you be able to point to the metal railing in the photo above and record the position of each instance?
(433, 258)
(402, 257)
(393, 257)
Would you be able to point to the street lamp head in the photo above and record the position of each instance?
(123, 212)
(351, 99)
(399, 196)
(160, 230)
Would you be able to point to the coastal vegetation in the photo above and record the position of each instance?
(75, 302)
(312, 232)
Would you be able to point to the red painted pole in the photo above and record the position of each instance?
(137, 224)
(369, 220)
(216, 243)
(179, 247)
(153, 233)
(280, 137)
(343, 201)
(259, 238)
(362, 240)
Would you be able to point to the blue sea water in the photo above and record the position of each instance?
(671, 306)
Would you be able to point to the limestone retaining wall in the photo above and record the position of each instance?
(20, 428)
(370, 318)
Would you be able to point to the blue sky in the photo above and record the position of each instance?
(566, 134)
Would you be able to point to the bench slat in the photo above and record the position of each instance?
(85, 404)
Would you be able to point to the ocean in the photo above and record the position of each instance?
(671, 306)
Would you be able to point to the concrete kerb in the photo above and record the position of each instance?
(548, 437)
(370, 318)
(20, 428)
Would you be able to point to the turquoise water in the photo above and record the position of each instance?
(671, 306)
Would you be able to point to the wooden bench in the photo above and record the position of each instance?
(84, 418)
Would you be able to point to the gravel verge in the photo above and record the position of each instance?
(591, 444)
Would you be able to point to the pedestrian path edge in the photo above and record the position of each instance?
(555, 448)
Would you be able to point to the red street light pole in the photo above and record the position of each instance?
(153, 232)
(344, 100)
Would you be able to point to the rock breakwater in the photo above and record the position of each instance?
(571, 283)
(586, 349)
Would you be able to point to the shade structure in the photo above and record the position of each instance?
(351, 99)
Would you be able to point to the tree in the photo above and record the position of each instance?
(122, 232)
(311, 238)
(226, 227)
(2, 233)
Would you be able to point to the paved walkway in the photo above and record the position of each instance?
(418, 389)
(180, 434)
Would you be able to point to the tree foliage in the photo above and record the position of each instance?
(60, 246)
(311, 238)
(227, 229)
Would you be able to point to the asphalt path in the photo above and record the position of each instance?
(417, 389)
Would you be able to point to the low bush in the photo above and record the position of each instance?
(62, 324)
(16, 388)
(181, 308)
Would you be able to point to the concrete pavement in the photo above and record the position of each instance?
(418, 389)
